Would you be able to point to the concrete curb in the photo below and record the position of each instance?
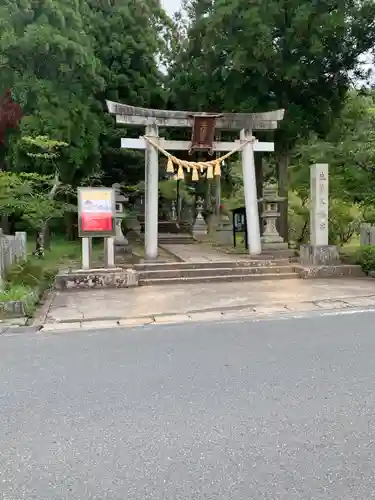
(366, 300)
(218, 314)
(43, 309)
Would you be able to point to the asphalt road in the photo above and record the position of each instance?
(276, 410)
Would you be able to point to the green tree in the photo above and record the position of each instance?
(292, 54)
(42, 203)
(46, 58)
(349, 148)
(129, 40)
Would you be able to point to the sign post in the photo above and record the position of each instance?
(96, 218)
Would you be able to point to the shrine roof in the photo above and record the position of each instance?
(132, 115)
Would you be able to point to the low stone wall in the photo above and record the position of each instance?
(96, 278)
(18, 308)
(13, 309)
(12, 249)
(338, 271)
(321, 255)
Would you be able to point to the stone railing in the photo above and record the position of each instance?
(12, 249)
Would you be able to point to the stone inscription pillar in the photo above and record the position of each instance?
(319, 204)
(251, 199)
(151, 196)
(319, 252)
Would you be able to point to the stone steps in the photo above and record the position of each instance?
(164, 239)
(232, 272)
(213, 271)
(233, 264)
(217, 279)
(172, 239)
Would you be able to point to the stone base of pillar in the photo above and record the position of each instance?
(224, 235)
(319, 255)
(199, 228)
(97, 278)
(213, 222)
(122, 247)
(279, 245)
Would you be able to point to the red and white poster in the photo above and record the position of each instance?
(96, 207)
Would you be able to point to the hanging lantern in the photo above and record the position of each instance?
(170, 167)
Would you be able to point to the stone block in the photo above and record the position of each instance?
(320, 255)
(172, 318)
(12, 308)
(131, 322)
(339, 271)
(122, 248)
(224, 235)
(97, 278)
(206, 316)
(51, 327)
(270, 309)
(276, 246)
(213, 222)
(132, 278)
(98, 325)
(199, 228)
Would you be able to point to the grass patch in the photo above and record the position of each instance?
(27, 281)
(16, 292)
(349, 251)
(65, 253)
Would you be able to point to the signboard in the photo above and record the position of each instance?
(96, 212)
(203, 133)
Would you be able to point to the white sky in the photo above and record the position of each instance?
(171, 5)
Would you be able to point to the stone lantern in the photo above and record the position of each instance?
(199, 227)
(271, 238)
(121, 242)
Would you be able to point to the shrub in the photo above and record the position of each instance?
(365, 257)
(31, 273)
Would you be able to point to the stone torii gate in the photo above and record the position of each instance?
(154, 119)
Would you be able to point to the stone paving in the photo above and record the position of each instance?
(144, 305)
(200, 253)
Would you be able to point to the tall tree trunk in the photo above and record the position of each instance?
(69, 226)
(42, 233)
(47, 238)
(5, 224)
(40, 240)
(282, 174)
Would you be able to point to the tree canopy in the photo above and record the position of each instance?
(62, 60)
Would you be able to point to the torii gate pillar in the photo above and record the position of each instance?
(151, 196)
(251, 198)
